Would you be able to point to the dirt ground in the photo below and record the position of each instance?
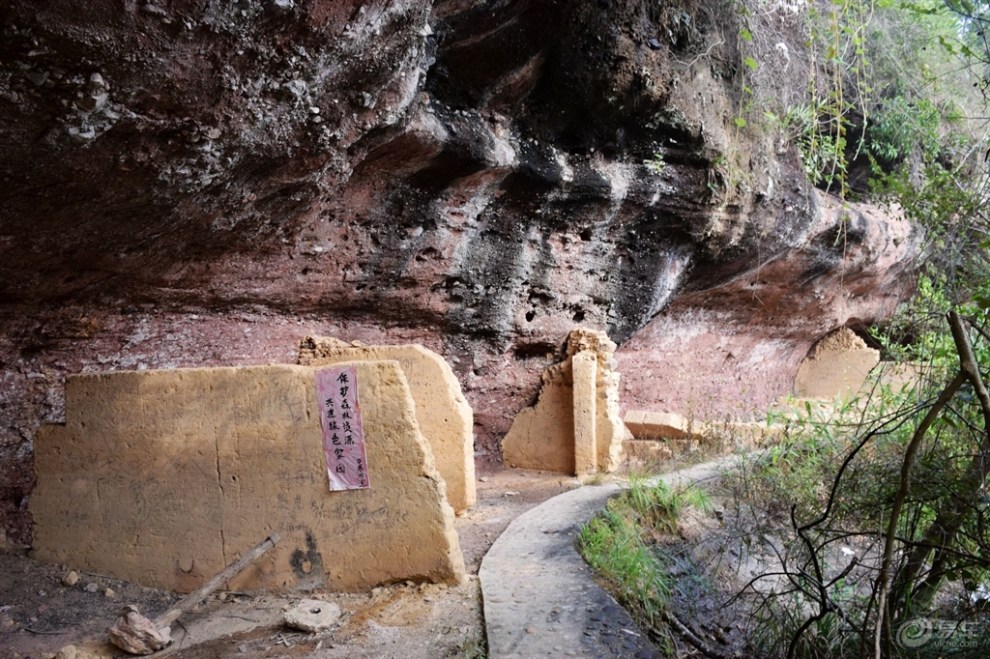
(40, 615)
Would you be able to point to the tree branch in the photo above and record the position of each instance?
(902, 493)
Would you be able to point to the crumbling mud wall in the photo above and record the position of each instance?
(837, 367)
(575, 426)
(443, 415)
(165, 477)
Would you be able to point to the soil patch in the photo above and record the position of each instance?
(40, 614)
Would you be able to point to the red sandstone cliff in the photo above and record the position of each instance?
(195, 182)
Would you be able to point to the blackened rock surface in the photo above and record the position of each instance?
(206, 182)
(731, 343)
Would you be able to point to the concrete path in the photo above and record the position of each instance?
(540, 597)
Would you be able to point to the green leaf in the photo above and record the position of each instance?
(740, 122)
(745, 35)
(751, 63)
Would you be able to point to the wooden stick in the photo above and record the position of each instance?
(228, 573)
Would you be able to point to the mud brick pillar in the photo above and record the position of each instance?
(585, 366)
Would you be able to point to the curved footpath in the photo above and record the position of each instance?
(540, 597)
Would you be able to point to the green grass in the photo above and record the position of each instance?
(614, 544)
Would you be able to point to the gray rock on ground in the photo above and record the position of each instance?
(312, 616)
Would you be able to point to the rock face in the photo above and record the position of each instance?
(313, 616)
(724, 349)
(166, 477)
(204, 183)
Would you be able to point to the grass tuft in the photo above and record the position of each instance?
(614, 544)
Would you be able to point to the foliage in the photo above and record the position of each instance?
(884, 507)
(888, 81)
(900, 127)
(473, 647)
(659, 506)
(611, 543)
(796, 469)
(617, 544)
(950, 202)
(972, 41)
(656, 165)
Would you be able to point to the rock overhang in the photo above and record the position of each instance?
(480, 205)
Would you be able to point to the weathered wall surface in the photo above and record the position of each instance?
(644, 424)
(165, 477)
(575, 426)
(195, 183)
(836, 368)
(542, 436)
(443, 415)
(584, 372)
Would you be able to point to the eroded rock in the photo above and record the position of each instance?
(135, 634)
(472, 182)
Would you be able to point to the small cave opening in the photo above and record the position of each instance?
(534, 350)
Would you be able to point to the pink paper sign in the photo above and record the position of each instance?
(343, 434)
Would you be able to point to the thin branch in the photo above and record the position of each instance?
(950, 517)
(752, 584)
(824, 603)
(693, 638)
(900, 497)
